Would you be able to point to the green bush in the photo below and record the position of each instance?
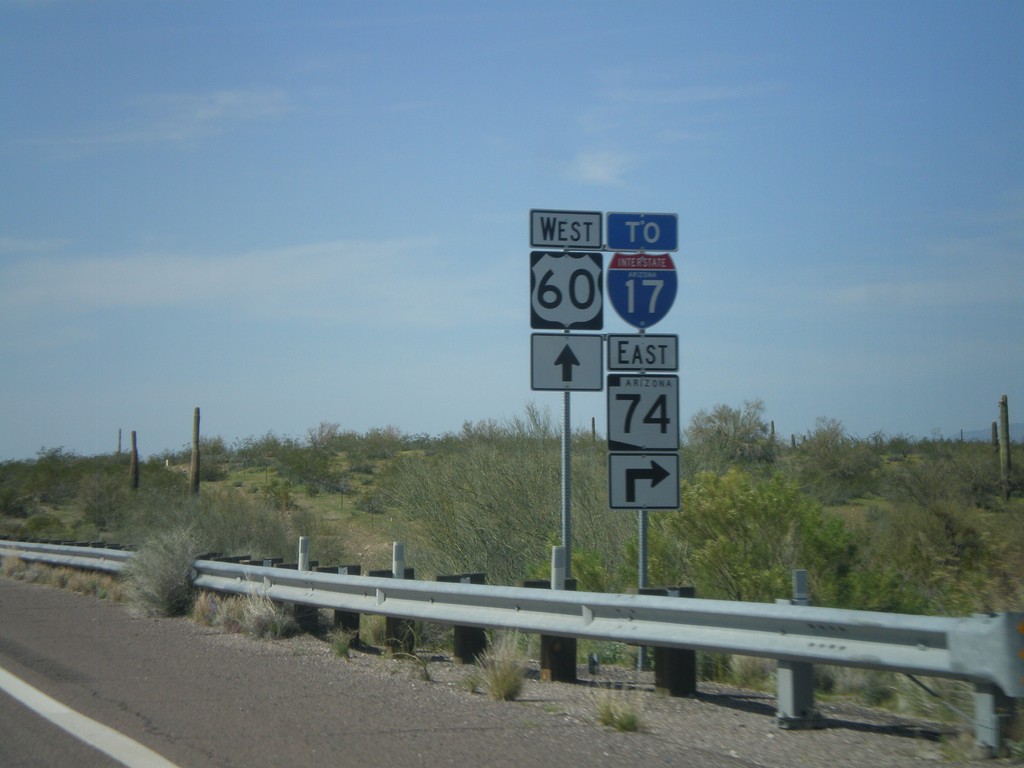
(738, 537)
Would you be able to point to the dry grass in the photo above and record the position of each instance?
(261, 617)
(13, 566)
(619, 710)
(92, 583)
(504, 667)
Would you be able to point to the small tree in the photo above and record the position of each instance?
(727, 436)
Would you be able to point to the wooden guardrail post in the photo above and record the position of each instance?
(346, 621)
(557, 653)
(675, 669)
(468, 643)
(400, 633)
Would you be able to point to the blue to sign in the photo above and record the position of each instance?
(642, 287)
(643, 232)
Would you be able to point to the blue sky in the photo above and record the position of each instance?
(294, 213)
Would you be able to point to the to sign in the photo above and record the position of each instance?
(643, 413)
(643, 352)
(642, 287)
(562, 361)
(565, 229)
(643, 480)
(565, 290)
(643, 232)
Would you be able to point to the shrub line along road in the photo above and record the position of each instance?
(202, 698)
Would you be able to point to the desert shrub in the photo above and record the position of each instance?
(104, 499)
(222, 520)
(923, 559)
(44, 525)
(13, 503)
(834, 467)
(491, 500)
(158, 578)
(965, 473)
(724, 437)
(740, 537)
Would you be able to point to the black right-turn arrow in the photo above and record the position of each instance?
(655, 474)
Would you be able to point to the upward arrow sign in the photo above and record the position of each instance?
(561, 362)
(567, 360)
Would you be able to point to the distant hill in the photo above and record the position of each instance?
(1016, 433)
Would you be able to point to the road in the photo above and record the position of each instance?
(200, 698)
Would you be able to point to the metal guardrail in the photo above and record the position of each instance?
(81, 556)
(985, 649)
(981, 649)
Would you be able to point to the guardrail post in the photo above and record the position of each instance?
(468, 643)
(306, 616)
(675, 669)
(557, 654)
(400, 633)
(992, 709)
(795, 679)
(346, 621)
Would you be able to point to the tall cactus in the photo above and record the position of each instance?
(1004, 445)
(133, 466)
(193, 474)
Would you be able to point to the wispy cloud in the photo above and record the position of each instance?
(180, 118)
(687, 94)
(605, 167)
(337, 282)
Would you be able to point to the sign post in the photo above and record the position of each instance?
(566, 293)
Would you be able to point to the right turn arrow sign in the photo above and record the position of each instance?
(643, 481)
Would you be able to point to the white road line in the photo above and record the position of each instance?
(123, 749)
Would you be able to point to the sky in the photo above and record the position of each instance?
(290, 214)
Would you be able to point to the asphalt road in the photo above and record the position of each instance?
(200, 698)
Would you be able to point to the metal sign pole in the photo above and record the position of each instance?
(566, 485)
(641, 579)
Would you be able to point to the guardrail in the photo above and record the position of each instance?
(985, 650)
(84, 556)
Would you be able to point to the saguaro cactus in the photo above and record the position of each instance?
(1004, 445)
(193, 474)
(133, 466)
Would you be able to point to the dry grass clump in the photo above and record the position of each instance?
(13, 566)
(618, 710)
(224, 612)
(254, 614)
(503, 667)
(342, 641)
(91, 583)
(262, 617)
